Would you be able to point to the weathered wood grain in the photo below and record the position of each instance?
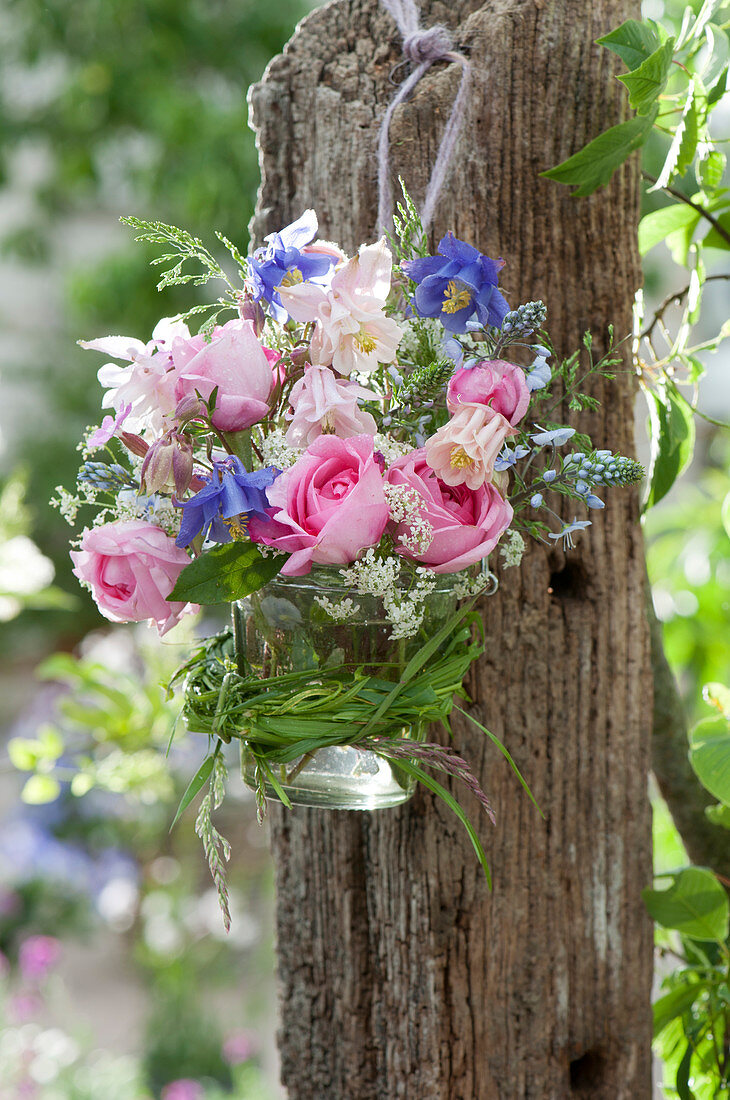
(400, 975)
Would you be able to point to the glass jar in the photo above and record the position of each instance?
(284, 627)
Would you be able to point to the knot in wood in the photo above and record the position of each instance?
(431, 44)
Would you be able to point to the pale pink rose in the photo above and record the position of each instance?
(491, 382)
(326, 508)
(234, 361)
(464, 450)
(351, 329)
(467, 523)
(323, 403)
(131, 567)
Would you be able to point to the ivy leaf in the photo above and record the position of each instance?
(634, 42)
(656, 226)
(226, 573)
(647, 82)
(709, 755)
(695, 905)
(593, 166)
(672, 440)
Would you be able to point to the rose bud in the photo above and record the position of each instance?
(249, 310)
(188, 408)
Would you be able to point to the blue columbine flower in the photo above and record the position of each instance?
(538, 374)
(558, 437)
(567, 531)
(281, 261)
(507, 457)
(231, 491)
(457, 283)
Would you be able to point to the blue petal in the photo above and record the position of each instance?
(418, 270)
(430, 296)
(454, 249)
(300, 232)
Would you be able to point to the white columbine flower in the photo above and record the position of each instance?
(321, 403)
(351, 330)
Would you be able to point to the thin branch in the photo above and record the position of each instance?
(702, 210)
(676, 299)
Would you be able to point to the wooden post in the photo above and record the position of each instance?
(400, 975)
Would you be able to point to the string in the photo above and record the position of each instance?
(422, 47)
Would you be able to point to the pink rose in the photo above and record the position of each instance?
(131, 567)
(234, 361)
(463, 452)
(327, 507)
(467, 523)
(492, 382)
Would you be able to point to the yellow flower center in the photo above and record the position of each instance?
(292, 277)
(460, 459)
(364, 341)
(456, 297)
(237, 526)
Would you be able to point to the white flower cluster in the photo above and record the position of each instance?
(390, 449)
(405, 610)
(341, 611)
(373, 576)
(405, 507)
(467, 587)
(512, 550)
(410, 345)
(275, 450)
(156, 509)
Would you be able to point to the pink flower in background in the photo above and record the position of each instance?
(466, 523)
(321, 403)
(238, 1047)
(491, 382)
(131, 567)
(37, 956)
(326, 508)
(234, 362)
(463, 451)
(148, 384)
(183, 1089)
(351, 330)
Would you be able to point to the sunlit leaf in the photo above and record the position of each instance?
(646, 83)
(226, 573)
(709, 756)
(40, 789)
(593, 166)
(656, 226)
(672, 440)
(634, 42)
(696, 905)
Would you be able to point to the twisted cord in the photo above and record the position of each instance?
(422, 47)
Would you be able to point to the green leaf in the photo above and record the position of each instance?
(715, 239)
(704, 16)
(593, 166)
(683, 144)
(718, 47)
(40, 789)
(682, 1079)
(674, 1004)
(695, 905)
(199, 780)
(725, 514)
(718, 695)
(646, 83)
(24, 753)
(226, 573)
(718, 89)
(709, 755)
(656, 226)
(718, 815)
(634, 42)
(672, 440)
(711, 170)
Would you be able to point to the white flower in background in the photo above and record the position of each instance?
(23, 572)
(351, 330)
(275, 451)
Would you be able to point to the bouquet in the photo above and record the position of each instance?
(336, 452)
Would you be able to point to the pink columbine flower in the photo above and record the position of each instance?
(326, 508)
(492, 382)
(37, 956)
(464, 450)
(131, 567)
(351, 329)
(323, 403)
(147, 384)
(109, 427)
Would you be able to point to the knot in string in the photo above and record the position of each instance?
(432, 44)
(422, 47)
